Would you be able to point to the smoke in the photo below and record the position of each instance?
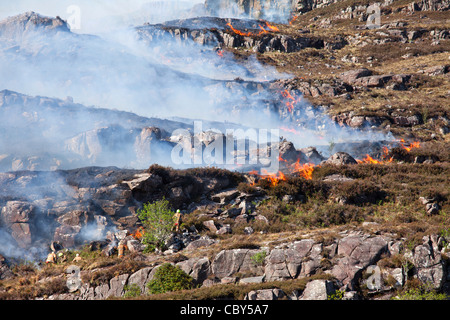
(105, 61)
(278, 11)
(102, 16)
(41, 207)
(106, 83)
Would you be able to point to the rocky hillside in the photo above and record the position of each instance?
(357, 211)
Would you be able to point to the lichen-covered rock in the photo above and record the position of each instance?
(286, 263)
(318, 290)
(229, 262)
(356, 252)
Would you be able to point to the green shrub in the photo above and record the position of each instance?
(420, 294)
(169, 278)
(258, 258)
(132, 291)
(338, 295)
(157, 219)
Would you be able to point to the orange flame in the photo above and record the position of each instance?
(272, 28)
(138, 234)
(369, 159)
(293, 19)
(247, 34)
(304, 170)
(412, 145)
(274, 178)
(291, 130)
(280, 159)
(293, 100)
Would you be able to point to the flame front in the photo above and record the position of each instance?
(293, 19)
(138, 234)
(292, 100)
(263, 30)
(245, 34)
(412, 145)
(306, 170)
(369, 159)
(274, 178)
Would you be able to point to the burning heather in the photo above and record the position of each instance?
(169, 130)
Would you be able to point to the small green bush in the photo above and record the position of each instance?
(169, 278)
(158, 220)
(258, 258)
(420, 294)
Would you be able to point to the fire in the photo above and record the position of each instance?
(293, 19)
(291, 130)
(219, 53)
(274, 178)
(245, 34)
(280, 159)
(369, 159)
(264, 29)
(138, 234)
(304, 170)
(292, 100)
(385, 152)
(412, 145)
(272, 28)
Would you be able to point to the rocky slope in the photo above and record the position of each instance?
(351, 229)
(353, 261)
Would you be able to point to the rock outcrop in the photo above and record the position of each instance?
(226, 33)
(353, 261)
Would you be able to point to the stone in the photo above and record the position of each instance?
(21, 232)
(135, 246)
(228, 280)
(248, 230)
(116, 285)
(265, 294)
(225, 196)
(198, 268)
(210, 225)
(225, 229)
(283, 264)
(16, 212)
(140, 278)
(341, 158)
(248, 280)
(229, 262)
(200, 243)
(351, 76)
(356, 252)
(318, 290)
(144, 182)
(432, 208)
(372, 81)
(101, 292)
(437, 70)
(429, 265)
